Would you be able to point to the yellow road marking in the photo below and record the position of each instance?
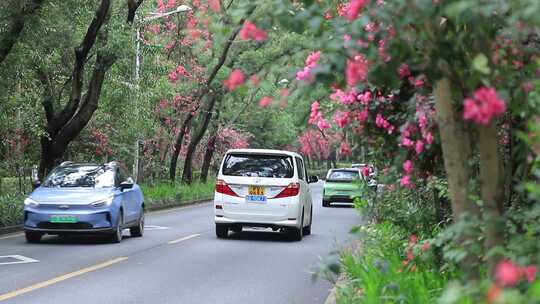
(61, 278)
(9, 236)
(184, 238)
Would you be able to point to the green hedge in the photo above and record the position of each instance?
(11, 207)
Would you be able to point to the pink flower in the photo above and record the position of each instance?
(251, 31)
(484, 106)
(365, 171)
(406, 142)
(344, 149)
(344, 97)
(530, 273)
(341, 118)
(507, 273)
(356, 70)
(254, 79)
(311, 63)
(419, 147)
(429, 138)
(215, 5)
(236, 78)
(406, 182)
(413, 239)
(404, 71)
(365, 98)
(265, 101)
(425, 246)
(408, 166)
(363, 115)
(323, 124)
(354, 8)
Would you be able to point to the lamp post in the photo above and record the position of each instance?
(153, 16)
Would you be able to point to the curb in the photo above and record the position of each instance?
(150, 209)
(342, 279)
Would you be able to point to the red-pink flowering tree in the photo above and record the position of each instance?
(421, 73)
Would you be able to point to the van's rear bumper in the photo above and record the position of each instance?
(256, 223)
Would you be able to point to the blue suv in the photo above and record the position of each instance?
(85, 198)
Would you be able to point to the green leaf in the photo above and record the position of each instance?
(480, 64)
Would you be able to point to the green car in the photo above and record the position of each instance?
(341, 186)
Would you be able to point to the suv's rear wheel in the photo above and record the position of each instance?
(307, 229)
(296, 234)
(222, 231)
(325, 203)
(32, 236)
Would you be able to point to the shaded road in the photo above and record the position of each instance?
(179, 260)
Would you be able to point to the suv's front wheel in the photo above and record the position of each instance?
(33, 236)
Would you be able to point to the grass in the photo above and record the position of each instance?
(378, 274)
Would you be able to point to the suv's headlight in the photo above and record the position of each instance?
(104, 202)
(28, 202)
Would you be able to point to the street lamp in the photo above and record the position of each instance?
(180, 9)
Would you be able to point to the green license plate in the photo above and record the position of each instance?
(63, 219)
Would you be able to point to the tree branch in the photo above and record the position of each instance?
(133, 5)
(15, 27)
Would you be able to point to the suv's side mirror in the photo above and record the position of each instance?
(128, 184)
(313, 179)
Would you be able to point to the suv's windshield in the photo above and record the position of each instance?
(343, 176)
(80, 176)
(257, 165)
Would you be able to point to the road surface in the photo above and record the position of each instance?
(179, 260)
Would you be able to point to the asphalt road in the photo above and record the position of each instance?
(179, 260)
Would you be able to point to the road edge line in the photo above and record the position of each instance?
(67, 276)
(189, 237)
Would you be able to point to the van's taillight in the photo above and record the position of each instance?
(292, 190)
(222, 187)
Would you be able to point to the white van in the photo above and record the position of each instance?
(263, 188)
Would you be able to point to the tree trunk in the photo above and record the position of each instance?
(456, 147)
(187, 176)
(178, 146)
(204, 91)
(492, 190)
(210, 148)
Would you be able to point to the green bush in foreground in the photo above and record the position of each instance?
(390, 269)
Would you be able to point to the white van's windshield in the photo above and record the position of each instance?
(258, 165)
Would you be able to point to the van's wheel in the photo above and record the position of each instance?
(297, 233)
(307, 229)
(325, 203)
(222, 231)
(236, 228)
(32, 236)
(116, 236)
(138, 230)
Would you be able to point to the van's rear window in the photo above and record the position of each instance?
(258, 165)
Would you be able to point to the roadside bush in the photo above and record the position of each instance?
(165, 194)
(11, 207)
(391, 268)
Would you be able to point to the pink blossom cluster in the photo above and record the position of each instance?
(354, 8)
(341, 118)
(251, 32)
(344, 97)
(265, 101)
(236, 78)
(102, 140)
(179, 71)
(316, 117)
(484, 106)
(315, 145)
(381, 122)
(344, 149)
(508, 273)
(310, 64)
(356, 70)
